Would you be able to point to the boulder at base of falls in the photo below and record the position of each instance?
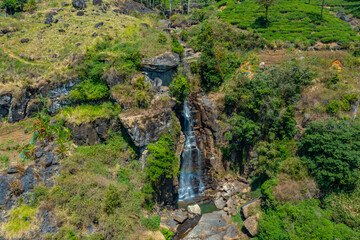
(163, 67)
(213, 226)
(251, 225)
(250, 208)
(194, 209)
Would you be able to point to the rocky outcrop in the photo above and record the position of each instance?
(94, 132)
(147, 126)
(20, 180)
(27, 102)
(163, 67)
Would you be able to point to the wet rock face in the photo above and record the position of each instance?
(163, 67)
(94, 132)
(207, 132)
(147, 126)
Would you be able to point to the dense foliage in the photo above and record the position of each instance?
(331, 150)
(305, 220)
(179, 88)
(263, 106)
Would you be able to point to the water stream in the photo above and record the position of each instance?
(190, 184)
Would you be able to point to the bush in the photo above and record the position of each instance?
(184, 35)
(162, 38)
(331, 151)
(177, 48)
(12, 6)
(112, 199)
(167, 233)
(179, 88)
(89, 90)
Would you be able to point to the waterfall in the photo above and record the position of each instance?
(190, 184)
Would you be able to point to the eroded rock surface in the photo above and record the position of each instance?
(147, 126)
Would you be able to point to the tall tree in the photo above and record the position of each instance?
(322, 8)
(266, 4)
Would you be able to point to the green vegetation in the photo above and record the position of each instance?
(4, 161)
(19, 221)
(179, 88)
(162, 164)
(331, 151)
(292, 21)
(89, 90)
(151, 223)
(262, 106)
(12, 6)
(305, 220)
(88, 113)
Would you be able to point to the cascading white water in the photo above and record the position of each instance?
(190, 184)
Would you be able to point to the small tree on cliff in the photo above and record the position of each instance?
(266, 4)
(179, 88)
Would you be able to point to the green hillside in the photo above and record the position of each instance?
(288, 21)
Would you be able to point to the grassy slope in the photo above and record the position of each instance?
(289, 21)
(46, 42)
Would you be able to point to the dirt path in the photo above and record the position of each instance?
(10, 54)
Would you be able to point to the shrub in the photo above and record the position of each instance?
(89, 90)
(184, 35)
(179, 88)
(167, 233)
(162, 38)
(112, 199)
(177, 48)
(12, 6)
(4, 161)
(333, 107)
(330, 150)
(142, 98)
(173, 18)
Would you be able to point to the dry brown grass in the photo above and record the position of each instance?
(290, 190)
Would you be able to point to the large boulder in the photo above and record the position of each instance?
(163, 67)
(250, 208)
(251, 225)
(194, 209)
(213, 226)
(79, 4)
(220, 203)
